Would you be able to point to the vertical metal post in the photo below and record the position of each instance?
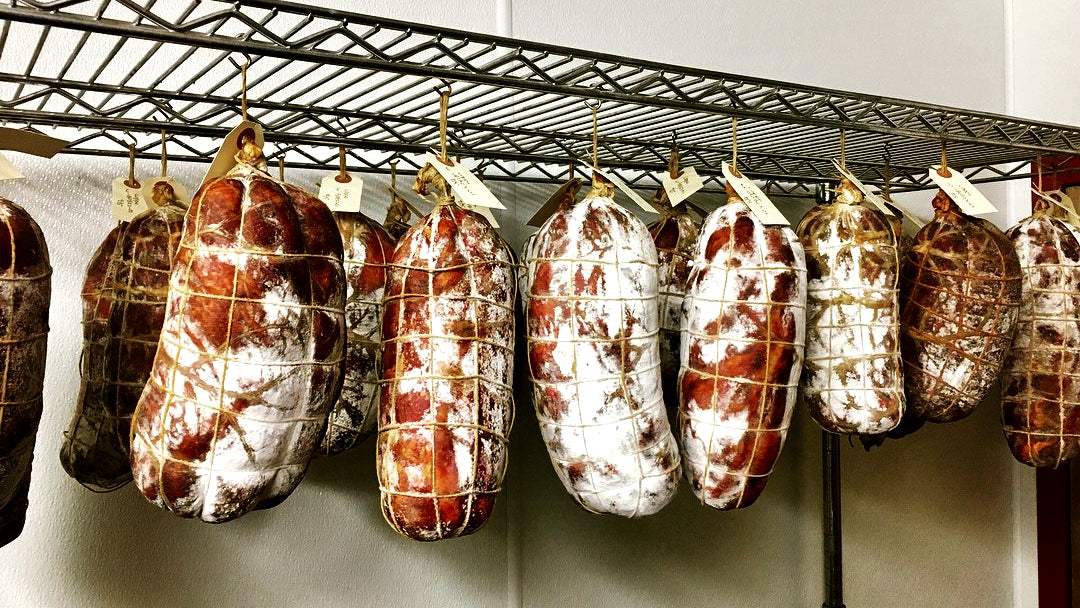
(830, 521)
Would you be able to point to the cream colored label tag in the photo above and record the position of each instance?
(484, 211)
(127, 202)
(225, 159)
(8, 170)
(1065, 203)
(754, 198)
(467, 188)
(962, 192)
(621, 185)
(181, 192)
(341, 196)
(679, 188)
(874, 199)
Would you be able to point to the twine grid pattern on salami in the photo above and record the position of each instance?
(447, 397)
(367, 249)
(232, 351)
(123, 314)
(741, 354)
(960, 293)
(1040, 397)
(852, 379)
(25, 291)
(594, 359)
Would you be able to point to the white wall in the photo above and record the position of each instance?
(939, 518)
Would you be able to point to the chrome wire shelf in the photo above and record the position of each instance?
(320, 78)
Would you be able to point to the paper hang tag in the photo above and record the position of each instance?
(484, 211)
(21, 140)
(127, 202)
(8, 170)
(874, 199)
(466, 187)
(754, 198)
(962, 192)
(341, 197)
(148, 190)
(408, 204)
(551, 205)
(621, 185)
(680, 188)
(225, 159)
(1066, 203)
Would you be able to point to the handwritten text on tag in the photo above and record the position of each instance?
(466, 187)
(960, 190)
(341, 197)
(754, 198)
(679, 188)
(127, 202)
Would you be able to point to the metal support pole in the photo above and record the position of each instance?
(830, 521)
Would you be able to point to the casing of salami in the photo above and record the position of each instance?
(251, 355)
(594, 357)
(959, 299)
(447, 402)
(742, 354)
(25, 292)
(1040, 396)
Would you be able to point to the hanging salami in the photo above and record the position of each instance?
(1040, 397)
(594, 356)
(124, 297)
(675, 236)
(959, 298)
(251, 354)
(25, 292)
(367, 248)
(852, 377)
(447, 401)
(742, 354)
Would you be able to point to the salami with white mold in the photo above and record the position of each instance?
(25, 293)
(742, 354)
(594, 357)
(960, 291)
(852, 378)
(447, 402)
(1040, 395)
(251, 355)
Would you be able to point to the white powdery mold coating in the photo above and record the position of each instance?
(744, 330)
(1040, 393)
(250, 358)
(592, 326)
(852, 377)
(446, 406)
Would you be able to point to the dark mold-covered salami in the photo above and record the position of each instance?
(251, 354)
(594, 357)
(25, 291)
(959, 299)
(447, 402)
(367, 248)
(742, 354)
(124, 297)
(852, 377)
(1040, 397)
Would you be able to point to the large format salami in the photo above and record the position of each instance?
(25, 291)
(251, 354)
(742, 354)
(367, 248)
(675, 236)
(1040, 397)
(447, 401)
(959, 298)
(124, 299)
(852, 381)
(594, 357)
